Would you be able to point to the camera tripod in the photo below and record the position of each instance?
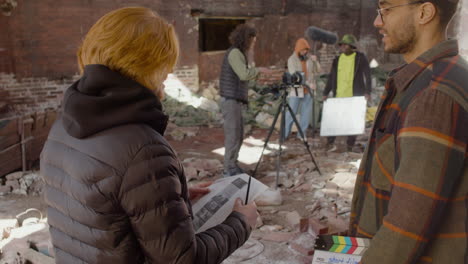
(283, 109)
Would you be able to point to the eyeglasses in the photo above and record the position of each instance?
(383, 11)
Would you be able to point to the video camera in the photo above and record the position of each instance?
(288, 81)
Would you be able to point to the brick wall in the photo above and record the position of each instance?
(189, 77)
(29, 95)
(43, 37)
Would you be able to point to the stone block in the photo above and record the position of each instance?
(14, 176)
(293, 218)
(5, 189)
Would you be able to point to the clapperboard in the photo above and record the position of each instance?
(339, 249)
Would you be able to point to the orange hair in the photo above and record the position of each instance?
(135, 42)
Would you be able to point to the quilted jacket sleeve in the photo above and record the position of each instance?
(152, 195)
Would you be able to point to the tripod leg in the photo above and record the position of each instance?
(270, 132)
(313, 112)
(281, 139)
(303, 137)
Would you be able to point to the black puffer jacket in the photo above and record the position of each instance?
(115, 189)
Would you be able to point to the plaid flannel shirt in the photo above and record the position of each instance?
(411, 193)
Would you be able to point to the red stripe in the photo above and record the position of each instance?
(351, 250)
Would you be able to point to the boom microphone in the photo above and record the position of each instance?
(317, 34)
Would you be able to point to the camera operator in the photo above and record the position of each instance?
(234, 84)
(301, 61)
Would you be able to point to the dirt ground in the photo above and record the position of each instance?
(303, 190)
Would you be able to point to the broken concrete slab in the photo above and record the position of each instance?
(14, 176)
(337, 226)
(14, 184)
(269, 197)
(271, 228)
(5, 190)
(344, 179)
(317, 227)
(191, 173)
(293, 219)
(303, 243)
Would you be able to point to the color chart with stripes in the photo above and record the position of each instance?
(342, 244)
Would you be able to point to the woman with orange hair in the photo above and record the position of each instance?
(115, 189)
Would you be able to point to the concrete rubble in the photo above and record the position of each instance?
(304, 204)
(198, 169)
(24, 183)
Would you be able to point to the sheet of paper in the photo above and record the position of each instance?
(213, 208)
(343, 116)
(326, 257)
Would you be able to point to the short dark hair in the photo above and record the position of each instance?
(241, 37)
(446, 9)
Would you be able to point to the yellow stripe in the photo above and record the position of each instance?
(449, 142)
(420, 190)
(426, 259)
(340, 248)
(342, 240)
(382, 168)
(404, 232)
(453, 235)
(359, 229)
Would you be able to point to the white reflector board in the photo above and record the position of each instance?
(343, 116)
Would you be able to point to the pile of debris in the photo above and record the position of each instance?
(24, 183)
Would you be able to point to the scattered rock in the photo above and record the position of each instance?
(317, 227)
(14, 184)
(190, 173)
(269, 197)
(5, 190)
(287, 183)
(319, 195)
(304, 243)
(259, 222)
(293, 218)
(306, 187)
(344, 179)
(271, 228)
(337, 226)
(14, 176)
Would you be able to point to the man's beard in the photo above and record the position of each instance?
(302, 57)
(405, 40)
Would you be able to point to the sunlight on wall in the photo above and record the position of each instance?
(177, 90)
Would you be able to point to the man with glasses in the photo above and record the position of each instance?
(411, 190)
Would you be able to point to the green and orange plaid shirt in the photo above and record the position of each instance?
(411, 194)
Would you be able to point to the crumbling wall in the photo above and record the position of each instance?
(29, 95)
(35, 53)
